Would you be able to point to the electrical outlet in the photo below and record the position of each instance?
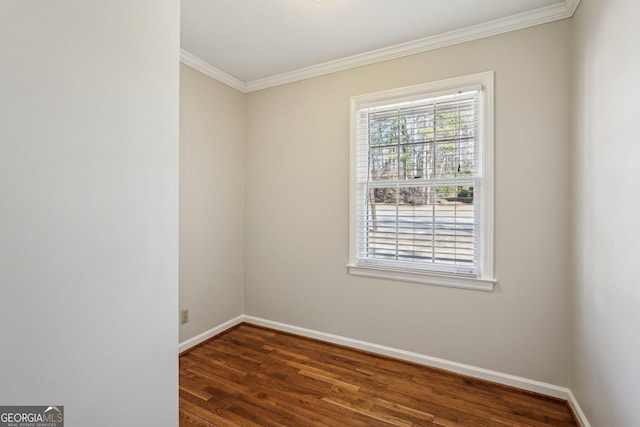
(184, 316)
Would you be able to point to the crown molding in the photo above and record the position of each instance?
(555, 12)
(539, 16)
(215, 73)
(571, 6)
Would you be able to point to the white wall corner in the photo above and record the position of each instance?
(571, 6)
(192, 342)
(577, 410)
(198, 64)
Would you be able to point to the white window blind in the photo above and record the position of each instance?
(418, 182)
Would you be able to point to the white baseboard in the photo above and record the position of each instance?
(435, 362)
(577, 410)
(191, 342)
(460, 368)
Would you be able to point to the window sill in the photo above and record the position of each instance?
(473, 283)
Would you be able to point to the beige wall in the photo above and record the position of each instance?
(212, 130)
(606, 337)
(297, 212)
(89, 209)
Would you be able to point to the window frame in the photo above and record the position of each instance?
(485, 279)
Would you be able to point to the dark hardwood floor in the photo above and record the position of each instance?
(252, 376)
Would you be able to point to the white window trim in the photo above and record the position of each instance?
(486, 280)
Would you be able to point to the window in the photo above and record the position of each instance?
(422, 183)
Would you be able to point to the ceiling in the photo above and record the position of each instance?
(250, 44)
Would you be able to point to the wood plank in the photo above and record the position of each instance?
(255, 376)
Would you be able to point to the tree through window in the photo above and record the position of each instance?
(419, 180)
